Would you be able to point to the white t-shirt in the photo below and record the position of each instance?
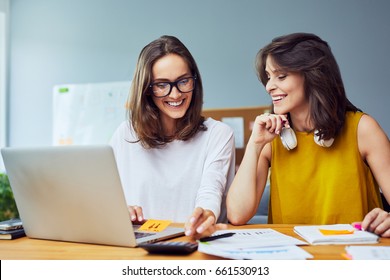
(169, 182)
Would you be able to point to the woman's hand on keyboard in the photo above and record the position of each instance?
(136, 214)
(202, 223)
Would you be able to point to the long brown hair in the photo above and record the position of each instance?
(144, 114)
(309, 55)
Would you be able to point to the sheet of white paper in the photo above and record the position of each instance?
(254, 238)
(368, 252)
(88, 113)
(255, 244)
(237, 124)
(265, 253)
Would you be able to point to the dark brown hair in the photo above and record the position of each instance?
(312, 57)
(144, 114)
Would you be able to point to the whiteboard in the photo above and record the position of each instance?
(85, 114)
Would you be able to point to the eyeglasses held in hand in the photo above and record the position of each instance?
(162, 89)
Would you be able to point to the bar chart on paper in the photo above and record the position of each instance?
(86, 114)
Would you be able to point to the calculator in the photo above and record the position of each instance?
(170, 247)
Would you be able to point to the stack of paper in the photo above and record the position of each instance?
(255, 244)
(368, 252)
(335, 234)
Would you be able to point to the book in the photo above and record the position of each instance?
(12, 234)
(335, 234)
(11, 224)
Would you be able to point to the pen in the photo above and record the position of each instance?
(214, 237)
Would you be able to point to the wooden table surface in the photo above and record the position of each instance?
(28, 249)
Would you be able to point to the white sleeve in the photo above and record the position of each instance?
(218, 173)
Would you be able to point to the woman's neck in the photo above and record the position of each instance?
(301, 122)
(169, 127)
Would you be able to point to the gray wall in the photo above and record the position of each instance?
(85, 41)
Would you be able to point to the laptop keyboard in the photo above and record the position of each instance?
(142, 234)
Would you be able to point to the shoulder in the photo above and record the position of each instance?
(217, 133)
(354, 117)
(123, 132)
(357, 122)
(370, 134)
(367, 125)
(215, 126)
(123, 128)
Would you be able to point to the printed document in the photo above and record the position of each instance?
(255, 244)
(368, 252)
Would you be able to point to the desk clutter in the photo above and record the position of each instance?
(11, 229)
(254, 244)
(269, 244)
(266, 242)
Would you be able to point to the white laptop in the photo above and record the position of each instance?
(73, 193)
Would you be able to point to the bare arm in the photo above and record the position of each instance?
(374, 146)
(248, 185)
(246, 190)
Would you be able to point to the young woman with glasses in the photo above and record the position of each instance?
(331, 160)
(174, 164)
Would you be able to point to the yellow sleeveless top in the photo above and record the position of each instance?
(316, 185)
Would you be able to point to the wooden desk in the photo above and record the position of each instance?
(27, 249)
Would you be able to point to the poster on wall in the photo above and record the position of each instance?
(87, 114)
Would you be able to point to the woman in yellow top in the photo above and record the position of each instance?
(327, 160)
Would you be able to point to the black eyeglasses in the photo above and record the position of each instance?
(162, 89)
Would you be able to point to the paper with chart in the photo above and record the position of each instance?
(255, 244)
(88, 113)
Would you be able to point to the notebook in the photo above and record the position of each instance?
(335, 234)
(73, 193)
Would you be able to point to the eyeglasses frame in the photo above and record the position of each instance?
(172, 84)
